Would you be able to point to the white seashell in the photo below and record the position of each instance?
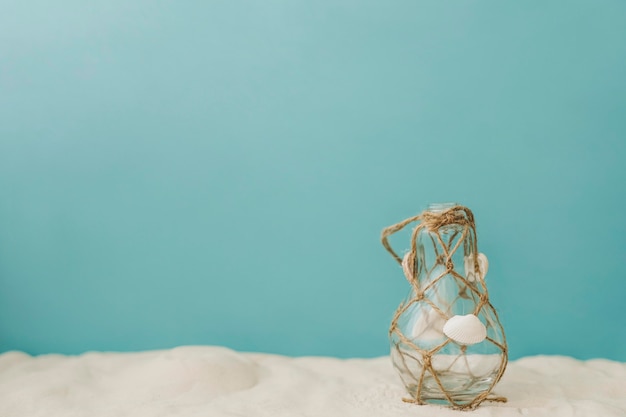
(429, 325)
(483, 266)
(466, 330)
(408, 273)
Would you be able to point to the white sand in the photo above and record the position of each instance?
(214, 381)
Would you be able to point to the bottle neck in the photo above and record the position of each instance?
(436, 208)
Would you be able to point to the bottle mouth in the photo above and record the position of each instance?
(439, 207)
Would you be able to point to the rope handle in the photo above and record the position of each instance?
(388, 231)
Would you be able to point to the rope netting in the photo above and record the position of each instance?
(464, 232)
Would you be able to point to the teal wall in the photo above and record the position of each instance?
(218, 172)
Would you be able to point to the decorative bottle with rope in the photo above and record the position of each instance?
(447, 342)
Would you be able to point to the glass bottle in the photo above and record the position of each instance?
(447, 343)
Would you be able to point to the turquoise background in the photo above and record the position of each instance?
(219, 172)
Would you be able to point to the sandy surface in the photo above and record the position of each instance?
(214, 381)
